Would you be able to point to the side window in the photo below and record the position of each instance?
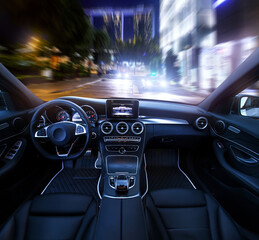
(248, 101)
(252, 90)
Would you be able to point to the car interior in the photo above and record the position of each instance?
(88, 168)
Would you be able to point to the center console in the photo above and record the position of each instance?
(121, 145)
(122, 138)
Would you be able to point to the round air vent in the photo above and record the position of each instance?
(107, 127)
(219, 126)
(19, 123)
(122, 127)
(201, 123)
(137, 128)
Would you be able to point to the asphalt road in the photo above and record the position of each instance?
(114, 88)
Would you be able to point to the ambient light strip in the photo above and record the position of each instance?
(145, 168)
(53, 178)
(164, 121)
(178, 163)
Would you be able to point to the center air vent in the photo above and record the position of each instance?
(137, 128)
(201, 123)
(107, 127)
(122, 127)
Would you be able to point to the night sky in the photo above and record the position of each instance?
(12, 33)
(124, 3)
(117, 3)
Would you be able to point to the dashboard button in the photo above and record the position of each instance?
(122, 150)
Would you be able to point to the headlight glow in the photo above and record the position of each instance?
(163, 83)
(149, 83)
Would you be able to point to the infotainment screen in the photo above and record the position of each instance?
(122, 108)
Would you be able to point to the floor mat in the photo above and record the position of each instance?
(163, 171)
(82, 181)
(81, 178)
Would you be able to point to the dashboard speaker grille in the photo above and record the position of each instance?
(122, 127)
(107, 127)
(137, 128)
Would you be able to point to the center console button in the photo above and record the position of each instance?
(112, 181)
(132, 181)
(122, 150)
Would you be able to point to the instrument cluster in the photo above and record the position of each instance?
(59, 114)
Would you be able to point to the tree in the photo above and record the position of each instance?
(172, 69)
(62, 22)
(102, 46)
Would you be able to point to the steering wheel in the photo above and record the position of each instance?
(63, 135)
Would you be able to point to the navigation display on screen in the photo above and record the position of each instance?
(122, 109)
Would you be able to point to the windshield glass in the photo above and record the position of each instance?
(169, 50)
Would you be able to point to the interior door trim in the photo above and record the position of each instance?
(248, 149)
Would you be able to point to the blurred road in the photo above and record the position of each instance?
(114, 88)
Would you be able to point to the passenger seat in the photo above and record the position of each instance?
(180, 214)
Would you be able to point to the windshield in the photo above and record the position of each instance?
(168, 50)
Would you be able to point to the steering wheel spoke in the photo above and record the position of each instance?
(64, 152)
(41, 133)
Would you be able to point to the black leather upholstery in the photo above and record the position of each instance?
(187, 214)
(53, 216)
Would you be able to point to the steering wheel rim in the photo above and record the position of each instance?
(63, 125)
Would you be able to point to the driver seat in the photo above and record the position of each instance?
(53, 216)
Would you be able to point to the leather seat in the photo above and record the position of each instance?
(53, 216)
(187, 214)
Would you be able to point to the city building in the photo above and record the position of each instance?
(186, 27)
(124, 23)
(237, 37)
(210, 37)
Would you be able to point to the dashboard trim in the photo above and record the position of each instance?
(173, 121)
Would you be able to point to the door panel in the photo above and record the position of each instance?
(236, 149)
(235, 175)
(13, 134)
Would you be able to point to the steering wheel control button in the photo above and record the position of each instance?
(42, 133)
(80, 130)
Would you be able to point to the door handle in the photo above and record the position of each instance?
(243, 157)
(250, 160)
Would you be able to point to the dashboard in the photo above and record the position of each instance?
(121, 130)
(165, 123)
